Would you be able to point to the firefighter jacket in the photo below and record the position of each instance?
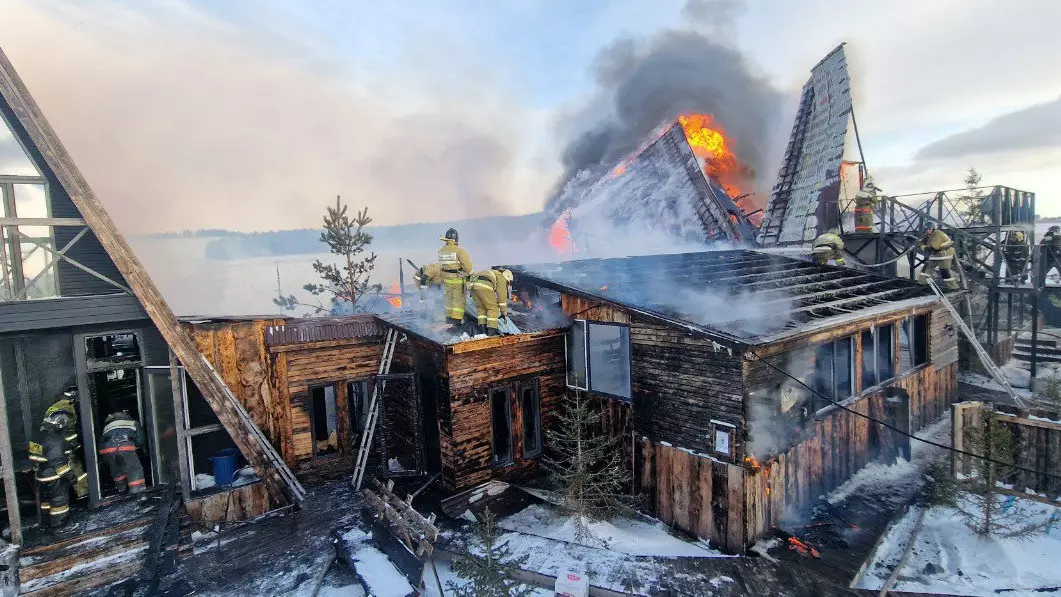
(492, 281)
(828, 239)
(866, 197)
(428, 275)
(938, 244)
(52, 456)
(122, 431)
(67, 406)
(1052, 240)
(453, 260)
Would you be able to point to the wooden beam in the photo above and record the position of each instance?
(42, 222)
(283, 487)
(203, 430)
(1028, 422)
(7, 468)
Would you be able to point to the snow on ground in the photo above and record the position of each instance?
(375, 568)
(949, 558)
(1017, 377)
(447, 576)
(632, 536)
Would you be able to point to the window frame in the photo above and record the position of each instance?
(586, 340)
(833, 393)
(918, 342)
(537, 414)
(313, 419)
(511, 457)
(731, 430)
(350, 382)
(585, 355)
(893, 356)
(12, 240)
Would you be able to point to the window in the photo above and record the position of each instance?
(608, 349)
(877, 356)
(325, 418)
(576, 356)
(203, 441)
(360, 399)
(722, 440)
(26, 252)
(913, 343)
(833, 371)
(501, 423)
(531, 412)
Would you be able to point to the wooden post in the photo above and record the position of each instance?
(7, 462)
(180, 425)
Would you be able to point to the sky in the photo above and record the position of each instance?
(254, 114)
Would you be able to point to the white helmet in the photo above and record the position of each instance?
(507, 275)
(869, 184)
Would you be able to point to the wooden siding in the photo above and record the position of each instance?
(24, 316)
(681, 384)
(580, 308)
(943, 338)
(466, 432)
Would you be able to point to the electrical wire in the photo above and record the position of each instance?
(896, 429)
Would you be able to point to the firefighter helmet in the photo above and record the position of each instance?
(451, 234)
(1055, 229)
(507, 275)
(869, 184)
(57, 421)
(834, 230)
(70, 392)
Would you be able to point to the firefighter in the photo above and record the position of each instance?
(1016, 252)
(54, 475)
(68, 404)
(828, 246)
(1050, 253)
(939, 250)
(490, 292)
(456, 266)
(865, 202)
(121, 437)
(428, 275)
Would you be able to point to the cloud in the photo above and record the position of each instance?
(180, 119)
(1034, 127)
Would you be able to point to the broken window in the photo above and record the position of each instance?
(325, 421)
(913, 343)
(531, 412)
(877, 356)
(111, 349)
(722, 439)
(360, 399)
(576, 356)
(833, 371)
(204, 443)
(609, 359)
(501, 423)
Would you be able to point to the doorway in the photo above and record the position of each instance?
(109, 377)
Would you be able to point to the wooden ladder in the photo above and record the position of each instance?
(373, 409)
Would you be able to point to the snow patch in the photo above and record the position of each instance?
(763, 547)
(875, 477)
(380, 576)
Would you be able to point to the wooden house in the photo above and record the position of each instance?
(755, 382)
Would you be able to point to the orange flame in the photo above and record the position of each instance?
(395, 299)
(710, 143)
(604, 288)
(560, 236)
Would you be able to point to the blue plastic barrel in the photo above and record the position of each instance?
(226, 463)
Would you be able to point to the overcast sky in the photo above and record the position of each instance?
(254, 114)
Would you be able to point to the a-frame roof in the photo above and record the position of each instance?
(42, 141)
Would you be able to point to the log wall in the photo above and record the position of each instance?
(241, 503)
(472, 370)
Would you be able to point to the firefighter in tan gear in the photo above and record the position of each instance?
(426, 276)
(121, 437)
(1015, 253)
(54, 474)
(865, 202)
(456, 266)
(828, 246)
(1049, 253)
(939, 250)
(68, 404)
(490, 289)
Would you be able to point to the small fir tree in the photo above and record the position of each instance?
(941, 488)
(983, 509)
(586, 466)
(347, 284)
(488, 566)
(972, 200)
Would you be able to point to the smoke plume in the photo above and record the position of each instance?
(642, 83)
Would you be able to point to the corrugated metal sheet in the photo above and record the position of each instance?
(321, 330)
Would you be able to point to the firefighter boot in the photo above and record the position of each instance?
(950, 283)
(492, 332)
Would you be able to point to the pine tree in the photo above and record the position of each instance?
(983, 509)
(347, 284)
(586, 465)
(973, 198)
(488, 567)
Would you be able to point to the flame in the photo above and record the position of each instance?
(796, 545)
(560, 236)
(604, 288)
(753, 461)
(395, 299)
(710, 143)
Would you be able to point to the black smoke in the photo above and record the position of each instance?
(643, 83)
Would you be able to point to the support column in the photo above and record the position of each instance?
(7, 462)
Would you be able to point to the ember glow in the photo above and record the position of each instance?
(798, 546)
(709, 143)
(560, 236)
(395, 298)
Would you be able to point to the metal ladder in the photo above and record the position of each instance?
(373, 409)
(985, 358)
(298, 493)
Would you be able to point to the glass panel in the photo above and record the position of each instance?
(501, 422)
(843, 367)
(869, 361)
(885, 356)
(609, 359)
(531, 411)
(576, 355)
(163, 425)
(359, 403)
(823, 372)
(906, 354)
(920, 337)
(31, 202)
(13, 160)
(325, 421)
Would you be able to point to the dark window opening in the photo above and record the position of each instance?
(877, 356)
(325, 419)
(609, 359)
(199, 412)
(530, 409)
(501, 422)
(913, 343)
(576, 356)
(360, 399)
(112, 349)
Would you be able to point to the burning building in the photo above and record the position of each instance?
(685, 181)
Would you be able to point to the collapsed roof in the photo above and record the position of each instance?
(736, 297)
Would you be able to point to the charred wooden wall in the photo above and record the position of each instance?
(472, 370)
(680, 384)
(241, 503)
